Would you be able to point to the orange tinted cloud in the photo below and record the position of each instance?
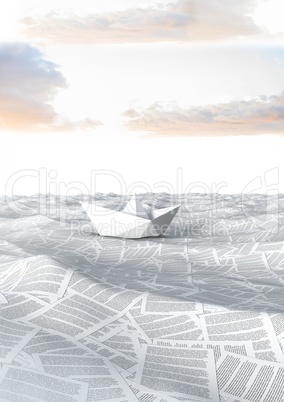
(28, 84)
(185, 21)
(257, 116)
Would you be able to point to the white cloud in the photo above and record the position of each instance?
(184, 21)
(28, 83)
(263, 115)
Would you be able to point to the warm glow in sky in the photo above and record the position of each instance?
(146, 90)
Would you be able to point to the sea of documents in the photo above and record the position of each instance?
(195, 315)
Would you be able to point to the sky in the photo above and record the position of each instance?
(125, 96)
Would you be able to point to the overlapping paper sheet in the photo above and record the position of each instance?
(195, 315)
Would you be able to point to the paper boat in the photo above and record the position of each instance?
(133, 222)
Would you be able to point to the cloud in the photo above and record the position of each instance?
(263, 115)
(184, 21)
(28, 83)
(63, 124)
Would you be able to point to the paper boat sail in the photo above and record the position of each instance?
(133, 222)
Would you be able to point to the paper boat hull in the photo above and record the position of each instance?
(124, 225)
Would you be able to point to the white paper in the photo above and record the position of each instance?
(179, 372)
